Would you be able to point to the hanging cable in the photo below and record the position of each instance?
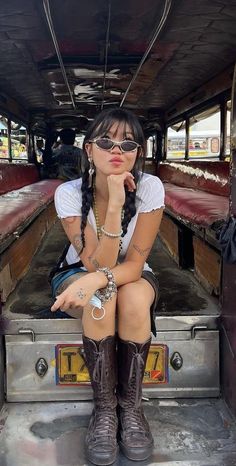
(153, 40)
(107, 44)
(52, 31)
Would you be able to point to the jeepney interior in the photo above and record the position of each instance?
(172, 63)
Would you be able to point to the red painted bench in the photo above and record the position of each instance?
(197, 202)
(26, 213)
(23, 197)
(197, 192)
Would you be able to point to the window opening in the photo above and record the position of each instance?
(18, 142)
(176, 140)
(204, 134)
(228, 130)
(4, 150)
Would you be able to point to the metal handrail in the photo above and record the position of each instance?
(159, 28)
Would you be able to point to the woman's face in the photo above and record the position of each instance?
(113, 161)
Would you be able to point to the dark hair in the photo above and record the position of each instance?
(100, 127)
(67, 136)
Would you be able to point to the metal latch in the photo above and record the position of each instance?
(27, 331)
(197, 328)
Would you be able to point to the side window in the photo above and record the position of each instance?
(151, 147)
(18, 142)
(176, 137)
(204, 134)
(4, 151)
(228, 130)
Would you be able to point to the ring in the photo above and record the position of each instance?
(98, 318)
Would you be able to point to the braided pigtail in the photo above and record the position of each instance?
(87, 202)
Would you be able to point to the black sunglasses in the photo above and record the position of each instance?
(108, 144)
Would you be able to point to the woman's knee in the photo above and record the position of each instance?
(132, 305)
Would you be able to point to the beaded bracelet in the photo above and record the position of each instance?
(105, 294)
(111, 235)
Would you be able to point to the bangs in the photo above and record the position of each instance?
(104, 122)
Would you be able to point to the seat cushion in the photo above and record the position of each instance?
(14, 176)
(195, 206)
(16, 207)
(212, 177)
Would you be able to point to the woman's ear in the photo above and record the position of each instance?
(140, 152)
(88, 149)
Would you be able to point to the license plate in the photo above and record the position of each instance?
(70, 365)
(71, 368)
(156, 370)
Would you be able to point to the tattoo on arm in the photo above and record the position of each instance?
(81, 293)
(77, 243)
(142, 252)
(94, 262)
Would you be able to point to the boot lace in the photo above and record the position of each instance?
(105, 425)
(134, 386)
(135, 423)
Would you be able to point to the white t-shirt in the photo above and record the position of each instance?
(68, 201)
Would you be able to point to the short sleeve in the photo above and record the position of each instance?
(68, 199)
(151, 193)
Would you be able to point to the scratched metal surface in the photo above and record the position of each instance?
(186, 433)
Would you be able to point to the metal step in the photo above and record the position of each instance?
(186, 433)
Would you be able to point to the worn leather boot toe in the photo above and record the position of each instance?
(135, 438)
(101, 443)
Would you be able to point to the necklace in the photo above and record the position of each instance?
(99, 233)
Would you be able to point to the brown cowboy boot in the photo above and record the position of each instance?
(135, 438)
(101, 439)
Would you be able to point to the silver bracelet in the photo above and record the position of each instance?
(111, 235)
(105, 294)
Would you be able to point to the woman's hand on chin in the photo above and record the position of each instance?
(116, 187)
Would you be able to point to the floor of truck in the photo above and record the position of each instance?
(180, 293)
(186, 433)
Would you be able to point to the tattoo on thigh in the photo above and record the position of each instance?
(77, 242)
(142, 252)
(94, 262)
(81, 293)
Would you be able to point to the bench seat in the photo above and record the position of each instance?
(195, 206)
(197, 203)
(27, 213)
(22, 205)
(14, 176)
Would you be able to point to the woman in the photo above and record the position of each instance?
(111, 218)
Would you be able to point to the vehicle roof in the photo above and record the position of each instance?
(98, 38)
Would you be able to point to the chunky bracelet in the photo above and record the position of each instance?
(105, 294)
(111, 235)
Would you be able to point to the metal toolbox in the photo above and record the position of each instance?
(45, 362)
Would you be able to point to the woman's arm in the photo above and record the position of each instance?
(96, 253)
(130, 270)
(102, 253)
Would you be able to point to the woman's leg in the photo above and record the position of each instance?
(99, 344)
(100, 354)
(134, 302)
